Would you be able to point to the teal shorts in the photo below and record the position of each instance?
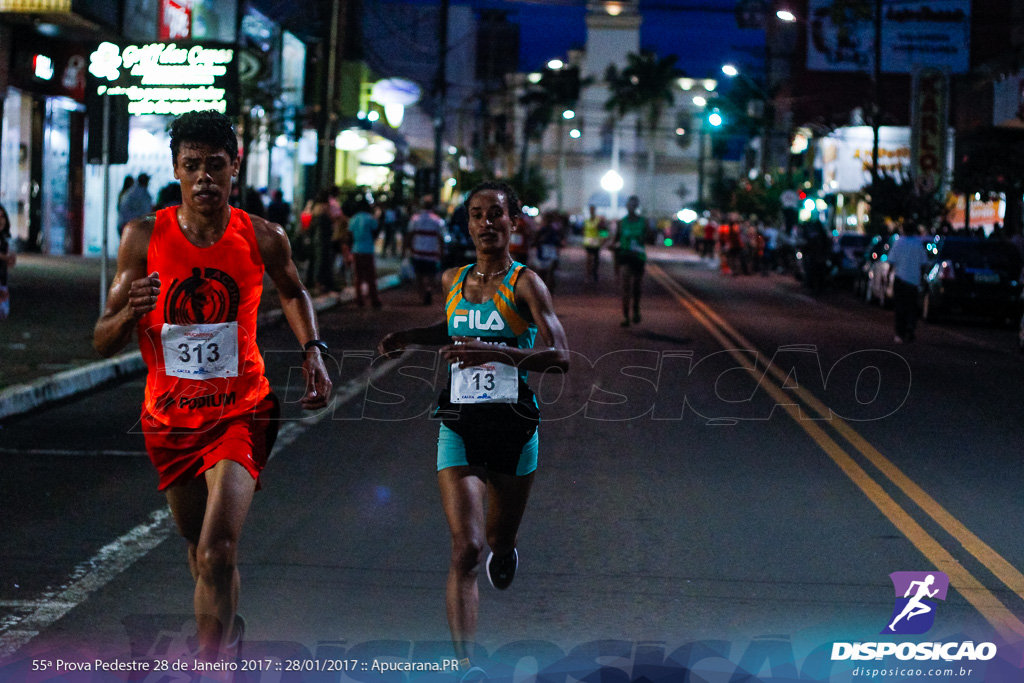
(452, 452)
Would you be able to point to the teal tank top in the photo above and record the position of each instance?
(497, 320)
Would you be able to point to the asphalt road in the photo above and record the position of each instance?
(726, 487)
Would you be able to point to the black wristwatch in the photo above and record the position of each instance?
(322, 345)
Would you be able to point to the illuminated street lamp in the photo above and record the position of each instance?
(714, 120)
(730, 70)
(786, 15)
(556, 64)
(568, 114)
(612, 182)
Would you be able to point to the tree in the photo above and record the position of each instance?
(991, 161)
(555, 92)
(895, 197)
(646, 86)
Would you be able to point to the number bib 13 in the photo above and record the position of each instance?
(488, 383)
(200, 351)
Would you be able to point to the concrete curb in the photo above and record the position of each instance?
(21, 398)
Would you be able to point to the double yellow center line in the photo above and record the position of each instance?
(1009, 627)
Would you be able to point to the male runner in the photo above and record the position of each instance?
(189, 279)
(631, 255)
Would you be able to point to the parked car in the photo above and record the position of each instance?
(847, 255)
(1020, 335)
(867, 259)
(880, 276)
(973, 276)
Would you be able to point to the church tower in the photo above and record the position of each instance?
(613, 31)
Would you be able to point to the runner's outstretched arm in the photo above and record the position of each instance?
(297, 305)
(133, 293)
(532, 296)
(432, 335)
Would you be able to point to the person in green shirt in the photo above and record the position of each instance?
(631, 255)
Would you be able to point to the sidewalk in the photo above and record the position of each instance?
(46, 351)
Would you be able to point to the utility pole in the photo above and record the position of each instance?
(876, 115)
(769, 102)
(441, 90)
(700, 162)
(326, 158)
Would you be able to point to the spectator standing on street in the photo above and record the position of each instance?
(595, 234)
(169, 195)
(189, 281)
(363, 227)
(279, 211)
(7, 261)
(521, 239)
(126, 186)
(135, 204)
(253, 203)
(816, 249)
(390, 219)
(549, 244)
(631, 251)
(321, 270)
(907, 258)
(425, 245)
(769, 262)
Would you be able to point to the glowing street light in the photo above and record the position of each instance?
(574, 133)
(785, 15)
(687, 215)
(612, 181)
(700, 101)
(730, 70)
(715, 119)
(568, 114)
(556, 64)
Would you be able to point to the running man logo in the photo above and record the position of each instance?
(473, 319)
(914, 611)
(209, 296)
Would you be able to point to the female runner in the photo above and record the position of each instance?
(487, 447)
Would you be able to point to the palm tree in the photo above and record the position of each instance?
(646, 86)
(557, 91)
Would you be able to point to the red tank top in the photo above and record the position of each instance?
(199, 343)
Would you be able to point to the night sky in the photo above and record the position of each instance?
(703, 33)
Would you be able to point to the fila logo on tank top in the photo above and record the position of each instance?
(496, 321)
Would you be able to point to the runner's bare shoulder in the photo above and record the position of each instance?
(135, 237)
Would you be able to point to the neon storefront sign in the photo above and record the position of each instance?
(166, 78)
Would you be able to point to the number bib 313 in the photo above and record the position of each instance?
(200, 351)
(488, 383)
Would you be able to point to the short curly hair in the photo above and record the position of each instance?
(205, 128)
(512, 199)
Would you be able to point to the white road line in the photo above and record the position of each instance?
(87, 577)
(96, 572)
